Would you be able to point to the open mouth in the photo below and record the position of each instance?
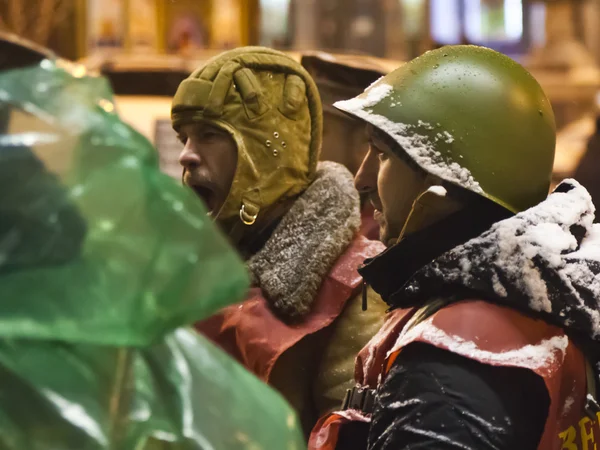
(376, 205)
(377, 216)
(207, 195)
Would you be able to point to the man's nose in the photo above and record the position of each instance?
(188, 158)
(366, 177)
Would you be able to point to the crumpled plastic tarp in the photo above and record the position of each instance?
(104, 262)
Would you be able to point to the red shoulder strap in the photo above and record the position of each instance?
(491, 334)
(345, 269)
(254, 335)
(501, 336)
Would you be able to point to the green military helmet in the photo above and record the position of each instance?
(471, 116)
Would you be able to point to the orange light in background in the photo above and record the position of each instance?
(226, 24)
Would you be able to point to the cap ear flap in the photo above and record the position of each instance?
(251, 93)
(294, 97)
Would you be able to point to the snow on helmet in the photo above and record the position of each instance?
(471, 116)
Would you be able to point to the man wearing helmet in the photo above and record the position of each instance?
(251, 123)
(492, 286)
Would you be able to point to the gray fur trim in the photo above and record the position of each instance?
(309, 239)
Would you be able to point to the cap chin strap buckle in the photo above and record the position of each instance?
(246, 218)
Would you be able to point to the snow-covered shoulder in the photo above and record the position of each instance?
(545, 260)
(590, 246)
(545, 353)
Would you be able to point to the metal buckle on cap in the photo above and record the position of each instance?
(359, 398)
(247, 219)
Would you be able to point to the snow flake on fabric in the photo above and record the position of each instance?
(590, 247)
(547, 353)
(404, 404)
(569, 401)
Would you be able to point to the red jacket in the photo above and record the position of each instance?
(492, 335)
(257, 338)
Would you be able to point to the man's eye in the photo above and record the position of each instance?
(182, 139)
(209, 133)
(381, 155)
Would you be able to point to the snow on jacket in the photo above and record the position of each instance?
(523, 294)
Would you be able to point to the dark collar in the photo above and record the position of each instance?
(388, 272)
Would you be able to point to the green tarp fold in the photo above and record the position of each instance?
(104, 264)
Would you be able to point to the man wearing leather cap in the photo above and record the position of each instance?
(339, 77)
(104, 264)
(251, 124)
(492, 338)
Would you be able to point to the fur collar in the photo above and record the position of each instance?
(309, 239)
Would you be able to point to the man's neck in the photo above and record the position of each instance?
(389, 272)
(248, 240)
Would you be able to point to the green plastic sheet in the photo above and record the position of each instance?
(105, 262)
